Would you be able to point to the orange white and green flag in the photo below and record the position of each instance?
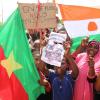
(18, 74)
(81, 18)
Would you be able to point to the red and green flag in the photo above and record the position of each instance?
(18, 74)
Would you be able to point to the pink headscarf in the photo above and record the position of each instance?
(94, 43)
(83, 89)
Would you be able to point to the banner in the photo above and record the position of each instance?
(38, 16)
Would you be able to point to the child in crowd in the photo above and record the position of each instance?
(61, 80)
(43, 81)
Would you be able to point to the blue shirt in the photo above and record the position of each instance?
(62, 89)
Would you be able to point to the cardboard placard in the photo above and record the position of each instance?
(38, 16)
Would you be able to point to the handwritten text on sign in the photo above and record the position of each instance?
(35, 16)
(53, 52)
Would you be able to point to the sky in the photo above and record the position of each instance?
(8, 6)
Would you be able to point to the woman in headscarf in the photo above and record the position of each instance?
(88, 64)
(92, 77)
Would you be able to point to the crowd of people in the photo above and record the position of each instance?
(78, 77)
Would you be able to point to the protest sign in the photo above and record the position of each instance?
(38, 16)
(57, 37)
(54, 51)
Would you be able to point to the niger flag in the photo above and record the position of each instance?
(18, 74)
(81, 19)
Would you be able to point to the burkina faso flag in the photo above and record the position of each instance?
(18, 74)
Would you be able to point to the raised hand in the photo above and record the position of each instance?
(91, 61)
(84, 42)
(67, 46)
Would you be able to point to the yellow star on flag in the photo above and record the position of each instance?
(10, 64)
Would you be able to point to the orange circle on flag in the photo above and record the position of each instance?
(92, 26)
